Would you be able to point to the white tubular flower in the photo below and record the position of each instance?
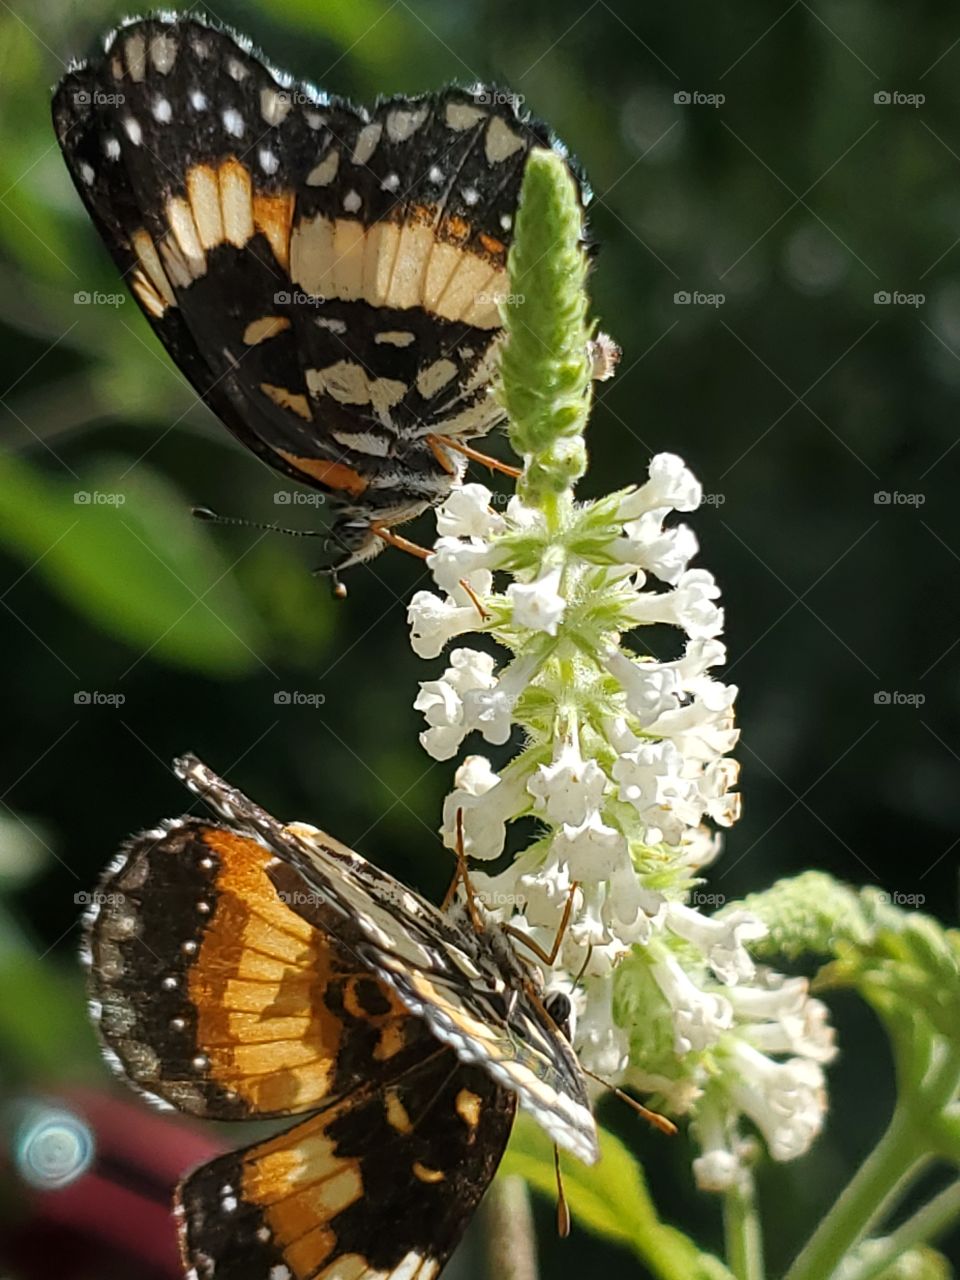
(569, 789)
(700, 1017)
(593, 851)
(486, 802)
(671, 485)
(434, 622)
(688, 606)
(536, 605)
(603, 1047)
(467, 514)
(719, 940)
(718, 1168)
(623, 762)
(442, 701)
(648, 546)
(785, 1100)
(453, 561)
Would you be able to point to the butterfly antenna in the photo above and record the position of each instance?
(652, 1117)
(563, 1209)
(211, 517)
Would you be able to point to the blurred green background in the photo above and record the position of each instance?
(822, 177)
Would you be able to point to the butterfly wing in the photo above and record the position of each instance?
(378, 1186)
(213, 994)
(328, 278)
(469, 989)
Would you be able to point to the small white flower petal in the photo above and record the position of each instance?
(536, 605)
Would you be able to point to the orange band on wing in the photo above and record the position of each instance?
(335, 475)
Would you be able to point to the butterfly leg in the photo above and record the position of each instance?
(439, 443)
(462, 874)
(548, 957)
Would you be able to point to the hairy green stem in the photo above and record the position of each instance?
(744, 1238)
(942, 1212)
(879, 1183)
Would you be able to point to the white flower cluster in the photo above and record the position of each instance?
(623, 761)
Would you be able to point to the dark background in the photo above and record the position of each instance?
(797, 398)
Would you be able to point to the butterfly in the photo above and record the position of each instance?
(246, 969)
(328, 277)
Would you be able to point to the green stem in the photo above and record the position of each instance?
(925, 1225)
(880, 1181)
(744, 1237)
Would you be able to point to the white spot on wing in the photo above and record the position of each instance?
(403, 122)
(87, 173)
(325, 172)
(274, 106)
(460, 116)
(233, 122)
(352, 202)
(236, 70)
(501, 142)
(268, 160)
(162, 110)
(198, 99)
(163, 53)
(133, 130)
(366, 143)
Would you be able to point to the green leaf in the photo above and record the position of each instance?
(612, 1200)
(118, 544)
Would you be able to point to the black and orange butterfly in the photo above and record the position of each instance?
(246, 969)
(328, 277)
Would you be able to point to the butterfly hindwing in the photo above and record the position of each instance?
(379, 1185)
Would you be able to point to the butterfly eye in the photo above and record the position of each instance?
(560, 1010)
